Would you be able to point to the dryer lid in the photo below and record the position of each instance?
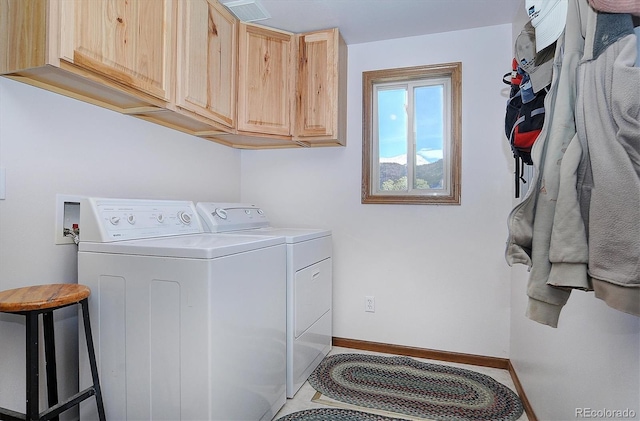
(293, 235)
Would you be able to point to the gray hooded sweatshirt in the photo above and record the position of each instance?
(531, 222)
(608, 125)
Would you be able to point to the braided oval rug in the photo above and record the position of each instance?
(405, 386)
(332, 414)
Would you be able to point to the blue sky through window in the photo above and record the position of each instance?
(429, 121)
(429, 124)
(392, 128)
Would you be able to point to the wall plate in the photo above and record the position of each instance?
(3, 181)
(67, 214)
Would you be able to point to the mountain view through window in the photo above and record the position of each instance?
(410, 137)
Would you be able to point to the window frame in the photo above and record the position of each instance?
(451, 143)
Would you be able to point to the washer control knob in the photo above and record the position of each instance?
(131, 219)
(247, 211)
(221, 213)
(160, 218)
(260, 212)
(115, 220)
(184, 217)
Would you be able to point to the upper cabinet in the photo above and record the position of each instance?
(115, 54)
(292, 87)
(186, 64)
(207, 57)
(265, 80)
(128, 41)
(321, 93)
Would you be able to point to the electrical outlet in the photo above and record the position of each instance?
(369, 304)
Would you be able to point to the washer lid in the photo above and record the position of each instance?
(195, 246)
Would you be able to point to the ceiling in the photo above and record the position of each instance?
(374, 20)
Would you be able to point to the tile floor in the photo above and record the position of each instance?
(302, 399)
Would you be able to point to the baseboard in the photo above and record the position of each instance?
(523, 397)
(453, 357)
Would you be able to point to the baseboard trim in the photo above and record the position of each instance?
(523, 396)
(453, 357)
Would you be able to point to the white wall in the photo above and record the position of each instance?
(51, 144)
(437, 272)
(592, 360)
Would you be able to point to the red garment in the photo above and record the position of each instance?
(617, 6)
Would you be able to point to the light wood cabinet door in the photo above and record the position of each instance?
(129, 41)
(321, 90)
(265, 80)
(23, 34)
(207, 56)
(186, 64)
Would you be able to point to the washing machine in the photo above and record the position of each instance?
(187, 325)
(309, 282)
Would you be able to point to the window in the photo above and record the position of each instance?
(411, 135)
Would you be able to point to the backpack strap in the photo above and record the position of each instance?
(519, 174)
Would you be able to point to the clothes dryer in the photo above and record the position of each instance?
(187, 325)
(309, 282)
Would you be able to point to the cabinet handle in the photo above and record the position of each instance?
(315, 275)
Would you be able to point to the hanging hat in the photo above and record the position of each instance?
(538, 65)
(548, 17)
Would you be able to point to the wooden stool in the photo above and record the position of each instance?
(43, 299)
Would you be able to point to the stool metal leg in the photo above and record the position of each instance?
(50, 359)
(92, 358)
(33, 399)
(32, 367)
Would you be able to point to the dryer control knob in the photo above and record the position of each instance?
(184, 217)
(160, 218)
(221, 213)
(115, 220)
(131, 219)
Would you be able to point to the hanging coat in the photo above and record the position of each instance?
(531, 222)
(608, 125)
